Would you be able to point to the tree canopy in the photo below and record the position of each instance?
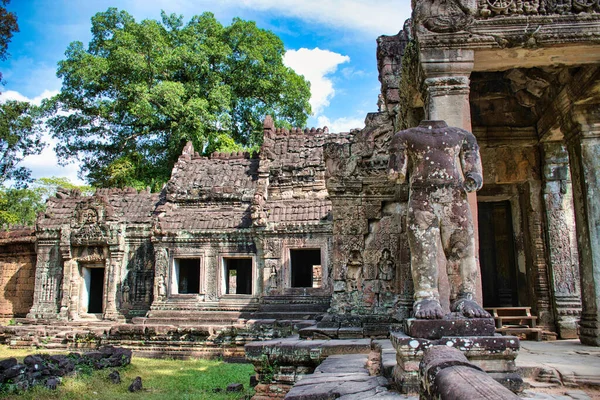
(20, 136)
(19, 206)
(140, 90)
(8, 25)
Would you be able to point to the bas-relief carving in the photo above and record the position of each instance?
(272, 248)
(273, 277)
(510, 164)
(444, 16)
(492, 8)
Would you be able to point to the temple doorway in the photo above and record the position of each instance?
(93, 289)
(238, 275)
(497, 255)
(306, 268)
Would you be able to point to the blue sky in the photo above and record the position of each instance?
(330, 42)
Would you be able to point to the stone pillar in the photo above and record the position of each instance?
(113, 270)
(48, 277)
(447, 84)
(447, 88)
(561, 239)
(69, 269)
(583, 141)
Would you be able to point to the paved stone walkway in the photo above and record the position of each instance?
(343, 377)
(564, 362)
(553, 369)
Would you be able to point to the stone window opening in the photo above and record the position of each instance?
(186, 276)
(306, 268)
(238, 275)
(92, 296)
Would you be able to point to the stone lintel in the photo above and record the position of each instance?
(438, 328)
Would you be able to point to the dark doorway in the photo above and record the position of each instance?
(96, 290)
(188, 272)
(238, 275)
(497, 255)
(306, 267)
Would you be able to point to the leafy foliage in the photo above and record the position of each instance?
(8, 25)
(141, 90)
(19, 206)
(20, 136)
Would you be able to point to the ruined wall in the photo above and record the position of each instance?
(17, 272)
(371, 263)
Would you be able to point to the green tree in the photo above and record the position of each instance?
(21, 205)
(141, 90)
(20, 136)
(8, 25)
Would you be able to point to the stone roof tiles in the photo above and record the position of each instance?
(206, 218)
(295, 212)
(118, 205)
(220, 178)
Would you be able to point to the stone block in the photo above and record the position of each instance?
(350, 333)
(495, 354)
(449, 326)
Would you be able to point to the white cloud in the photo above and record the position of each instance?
(343, 124)
(316, 65)
(37, 100)
(381, 17)
(374, 18)
(44, 164)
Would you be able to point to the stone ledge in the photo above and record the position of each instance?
(449, 326)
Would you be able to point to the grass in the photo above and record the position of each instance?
(161, 379)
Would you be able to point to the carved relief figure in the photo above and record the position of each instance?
(386, 266)
(444, 15)
(162, 287)
(354, 270)
(442, 164)
(125, 292)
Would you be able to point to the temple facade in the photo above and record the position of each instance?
(312, 226)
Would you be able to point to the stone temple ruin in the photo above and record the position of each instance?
(237, 248)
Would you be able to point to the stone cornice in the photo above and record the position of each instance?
(517, 31)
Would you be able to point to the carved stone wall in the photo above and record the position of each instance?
(563, 256)
(371, 265)
(493, 8)
(17, 273)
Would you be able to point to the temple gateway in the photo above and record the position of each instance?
(311, 226)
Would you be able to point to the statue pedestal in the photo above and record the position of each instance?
(494, 354)
(450, 325)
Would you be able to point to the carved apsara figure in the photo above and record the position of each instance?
(442, 164)
(354, 270)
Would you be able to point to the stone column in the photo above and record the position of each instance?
(113, 270)
(447, 86)
(561, 239)
(48, 277)
(583, 141)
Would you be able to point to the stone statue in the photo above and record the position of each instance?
(442, 164)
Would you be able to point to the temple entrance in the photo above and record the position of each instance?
(93, 289)
(306, 268)
(238, 275)
(497, 255)
(187, 276)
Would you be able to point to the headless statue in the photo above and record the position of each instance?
(442, 164)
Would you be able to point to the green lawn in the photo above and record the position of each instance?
(162, 379)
